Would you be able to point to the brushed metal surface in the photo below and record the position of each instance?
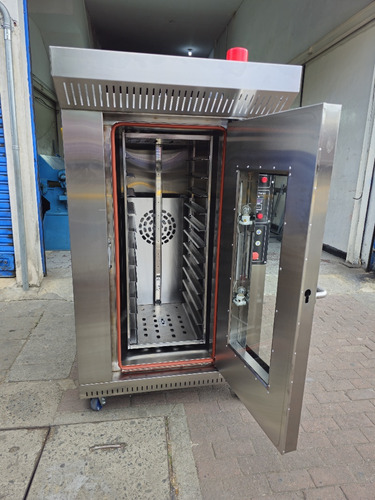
(156, 84)
(86, 188)
(164, 325)
(153, 382)
(301, 144)
(170, 250)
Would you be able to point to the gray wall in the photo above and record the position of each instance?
(278, 30)
(345, 75)
(45, 102)
(63, 23)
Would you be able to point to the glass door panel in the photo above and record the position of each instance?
(255, 271)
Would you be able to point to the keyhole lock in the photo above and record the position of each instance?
(307, 295)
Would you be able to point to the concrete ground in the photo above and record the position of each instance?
(185, 444)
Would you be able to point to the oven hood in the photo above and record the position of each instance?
(99, 80)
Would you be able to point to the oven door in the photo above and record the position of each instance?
(275, 195)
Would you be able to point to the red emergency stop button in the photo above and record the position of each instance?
(264, 179)
(259, 216)
(255, 256)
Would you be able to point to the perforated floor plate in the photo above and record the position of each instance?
(165, 324)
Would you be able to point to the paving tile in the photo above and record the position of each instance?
(331, 396)
(319, 424)
(365, 383)
(199, 409)
(9, 350)
(232, 404)
(345, 374)
(309, 398)
(261, 464)
(105, 460)
(228, 418)
(364, 472)
(357, 406)
(238, 430)
(337, 455)
(291, 495)
(301, 459)
(233, 448)
(216, 392)
(356, 394)
(331, 476)
(200, 432)
(261, 443)
(326, 409)
(367, 451)
(313, 386)
(365, 373)
(290, 481)
(224, 469)
(19, 318)
(182, 396)
(29, 404)
(337, 385)
(352, 420)
(369, 432)
(49, 351)
(48, 370)
(72, 402)
(371, 416)
(344, 363)
(246, 487)
(346, 436)
(19, 452)
(325, 493)
(308, 440)
(213, 489)
(358, 491)
(203, 451)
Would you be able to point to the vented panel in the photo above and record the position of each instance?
(102, 80)
(133, 98)
(134, 386)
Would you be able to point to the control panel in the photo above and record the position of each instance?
(262, 218)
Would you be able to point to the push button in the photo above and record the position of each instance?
(259, 216)
(255, 256)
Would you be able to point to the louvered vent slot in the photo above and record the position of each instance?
(66, 93)
(73, 95)
(112, 96)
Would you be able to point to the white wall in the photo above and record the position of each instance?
(34, 258)
(345, 75)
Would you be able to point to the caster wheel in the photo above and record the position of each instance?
(97, 404)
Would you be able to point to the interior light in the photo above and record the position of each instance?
(190, 52)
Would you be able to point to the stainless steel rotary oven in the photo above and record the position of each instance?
(196, 206)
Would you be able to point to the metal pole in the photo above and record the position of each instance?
(7, 27)
(158, 220)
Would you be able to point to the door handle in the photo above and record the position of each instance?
(320, 293)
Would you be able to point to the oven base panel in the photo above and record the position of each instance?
(151, 383)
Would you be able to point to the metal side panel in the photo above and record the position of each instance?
(84, 160)
(298, 145)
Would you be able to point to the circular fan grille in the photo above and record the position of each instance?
(147, 223)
